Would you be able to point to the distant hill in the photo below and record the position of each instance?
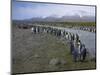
(73, 18)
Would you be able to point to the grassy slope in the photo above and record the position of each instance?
(25, 45)
(64, 24)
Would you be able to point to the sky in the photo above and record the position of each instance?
(27, 10)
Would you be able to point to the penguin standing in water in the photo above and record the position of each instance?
(76, 38)
(75, 54)
(74, 51)
(83, 53)
(79, 46)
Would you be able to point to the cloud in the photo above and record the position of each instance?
(25, 10)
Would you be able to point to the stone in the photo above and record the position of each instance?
(54, 62)
(36, 56)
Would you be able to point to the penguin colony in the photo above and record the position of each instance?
(77, 49)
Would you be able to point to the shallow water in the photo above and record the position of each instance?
(87, 38)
